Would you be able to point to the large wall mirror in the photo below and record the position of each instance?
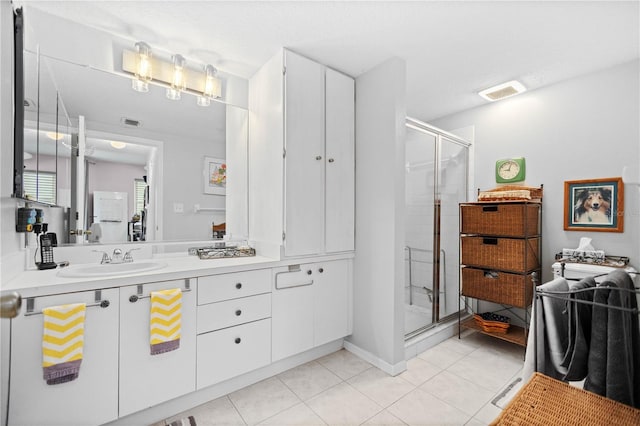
(133, 163)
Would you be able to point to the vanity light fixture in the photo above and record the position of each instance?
(143, 68)
(210, 86)
(118, 144)
(171, 74)
(502, 91)
(178, 81)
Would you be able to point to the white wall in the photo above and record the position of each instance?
(586, 127)
(378, 327)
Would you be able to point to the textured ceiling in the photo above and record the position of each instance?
(452, 49)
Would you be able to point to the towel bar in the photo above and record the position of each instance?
(135, 297)
(103, 304)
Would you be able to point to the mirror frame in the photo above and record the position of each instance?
(18, 106)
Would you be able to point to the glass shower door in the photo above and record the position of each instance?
(420, 158)
(453, 189)
(436, 173)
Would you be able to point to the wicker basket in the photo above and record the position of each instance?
(546, 401)
(500, 219)
(498, 287)
(535, 193)
(491, 326)
(508, 254)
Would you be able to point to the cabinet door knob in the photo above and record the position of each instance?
(318, 157)
(238, 286)
(321, 270)
(238, 340)
(309, 272)
(331, 160)
(238, 312)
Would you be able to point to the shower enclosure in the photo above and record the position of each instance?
(436, 178)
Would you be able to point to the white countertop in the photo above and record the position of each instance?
(35, 283)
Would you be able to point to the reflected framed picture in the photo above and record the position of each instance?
(594, 205)
(214, 172)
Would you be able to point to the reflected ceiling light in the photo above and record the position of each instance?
(27, 155)
(143, 67)
(211, 86)
(54, 136)
(502, 91)
(178, 81)
(118, 144)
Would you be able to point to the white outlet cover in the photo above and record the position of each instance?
(178, 207)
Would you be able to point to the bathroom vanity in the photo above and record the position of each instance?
(239, 317)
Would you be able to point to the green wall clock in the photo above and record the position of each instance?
(510, 170)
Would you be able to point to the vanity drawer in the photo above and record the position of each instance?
(216, 288)
(215, 316)
(233, 351)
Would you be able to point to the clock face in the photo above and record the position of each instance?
(510, 170)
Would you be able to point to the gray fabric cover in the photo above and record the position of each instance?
(551, 331)
(614, 356)
(579, 332)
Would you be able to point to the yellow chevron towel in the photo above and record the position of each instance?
(62, 342)
(165, 320)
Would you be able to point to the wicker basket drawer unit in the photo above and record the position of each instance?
(500, 219)
(497, 287)
(508, 254)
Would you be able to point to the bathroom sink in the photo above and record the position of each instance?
(110, 269)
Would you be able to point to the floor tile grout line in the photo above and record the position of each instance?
(236, 408)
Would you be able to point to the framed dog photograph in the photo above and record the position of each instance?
(594, 205)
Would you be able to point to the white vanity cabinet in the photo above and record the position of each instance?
(311, 306)
(301, 152)
(145, 379)
(90, 399)
(234, 325)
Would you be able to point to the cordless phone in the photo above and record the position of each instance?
(46, 252)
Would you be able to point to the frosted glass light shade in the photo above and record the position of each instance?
(143, 69)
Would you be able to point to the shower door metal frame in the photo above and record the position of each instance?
(438, 134)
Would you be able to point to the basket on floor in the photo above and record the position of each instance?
(547, 401)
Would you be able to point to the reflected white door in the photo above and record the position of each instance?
(110, 211)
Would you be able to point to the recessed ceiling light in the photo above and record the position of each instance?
(55, 136)
(502, 91)
(118, 145)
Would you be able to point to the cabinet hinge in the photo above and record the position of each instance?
(283, 236)
(284, 70)
(284, 152)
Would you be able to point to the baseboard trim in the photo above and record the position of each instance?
(391, 369)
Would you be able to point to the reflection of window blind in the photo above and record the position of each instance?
(40, 186)
(140, 186)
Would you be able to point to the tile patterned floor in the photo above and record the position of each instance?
(450, 384)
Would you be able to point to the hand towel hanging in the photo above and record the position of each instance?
(165, 320)
(62, 342)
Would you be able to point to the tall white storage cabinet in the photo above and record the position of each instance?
(301, 156)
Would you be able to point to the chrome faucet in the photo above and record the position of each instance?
(105, 256)
(128, 257)
(116, 257)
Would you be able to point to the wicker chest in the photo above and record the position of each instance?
(500, 248)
